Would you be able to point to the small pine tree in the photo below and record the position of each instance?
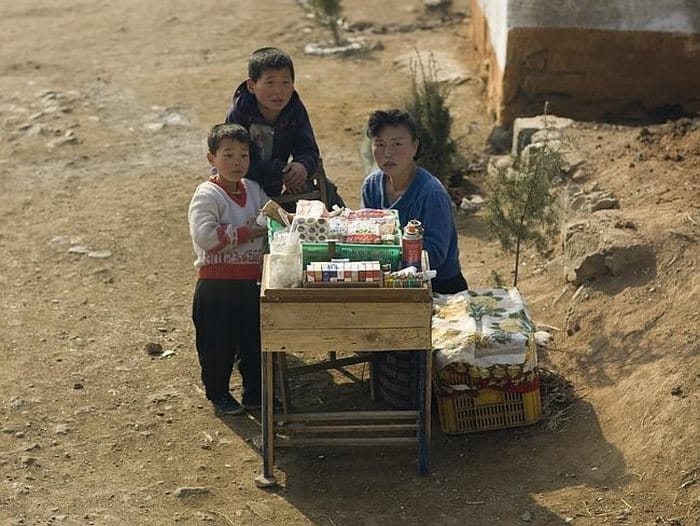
(328, 12)
(520, 208)
(427, 103)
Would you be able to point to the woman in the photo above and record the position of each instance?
(399, 183)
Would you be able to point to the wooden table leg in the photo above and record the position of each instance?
(423, 414)
(267, 479)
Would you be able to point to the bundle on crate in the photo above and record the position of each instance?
(485, 361)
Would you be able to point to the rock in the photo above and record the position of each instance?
(190, 491)
(78, 249)
(68, 138)
(593, 201)
(471, 203)
(596, 247)
(572, 327)
(542, 339)
(261, 510)
(154, 349)
(531, 152)
(604, 203)
(59, 241)
(99, 254)
(61, 429)
(525, 127)
(437, 4)
(17, 403)
(27, 460)
(526, 516)
(500, 139)
(10, 429)
(677, 391)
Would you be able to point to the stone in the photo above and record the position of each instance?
(190, 491)
(27, 460)
(598, 246)
(472, 203)
(61, 429)
(594, 201)
(261, 510)
(153, 348)
(437, 4)
(500, 139)
(99, 254)
(525, 127)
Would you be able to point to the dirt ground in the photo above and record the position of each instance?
(104, 107)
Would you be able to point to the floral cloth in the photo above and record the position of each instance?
(483, 338)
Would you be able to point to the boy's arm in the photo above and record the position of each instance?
(304, 147)
(206, 230)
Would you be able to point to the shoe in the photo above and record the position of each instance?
(253, 402)
(227, 405)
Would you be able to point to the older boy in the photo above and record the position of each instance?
(229, 247)
(269, 107)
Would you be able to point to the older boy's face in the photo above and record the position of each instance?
(231, 160)
(272, 90)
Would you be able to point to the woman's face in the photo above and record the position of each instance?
(394, 149)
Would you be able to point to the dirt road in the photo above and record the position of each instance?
(104, 108)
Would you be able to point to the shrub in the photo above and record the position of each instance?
(328, 13)
(427, 103)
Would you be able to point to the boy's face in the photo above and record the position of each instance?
(272, 90)
(231, 160)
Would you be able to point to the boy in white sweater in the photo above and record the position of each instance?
(229, 246)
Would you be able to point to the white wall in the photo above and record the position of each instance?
(495, 12)
(678, 16)
(681, 16)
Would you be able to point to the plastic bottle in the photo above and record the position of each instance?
(412, 244)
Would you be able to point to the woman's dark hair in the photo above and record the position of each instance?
(267, 58)
(219, 132)
(380, 118)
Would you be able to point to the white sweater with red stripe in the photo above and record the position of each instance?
(221, 241)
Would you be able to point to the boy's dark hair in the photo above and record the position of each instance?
(219, 132)
(267, 58)
(380, 118)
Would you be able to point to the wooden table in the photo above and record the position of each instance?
(313, 320)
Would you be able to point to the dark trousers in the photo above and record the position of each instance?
(397, 371)
(451, 285)
(226, 315)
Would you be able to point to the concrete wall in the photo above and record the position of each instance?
(593, 60)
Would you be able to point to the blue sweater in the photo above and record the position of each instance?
(427, 201)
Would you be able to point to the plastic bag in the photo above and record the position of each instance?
(285, 260)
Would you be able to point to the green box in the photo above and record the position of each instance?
(385, 254)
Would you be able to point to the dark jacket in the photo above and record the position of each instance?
(293, 136)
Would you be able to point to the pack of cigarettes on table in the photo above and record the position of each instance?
(344, 271)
